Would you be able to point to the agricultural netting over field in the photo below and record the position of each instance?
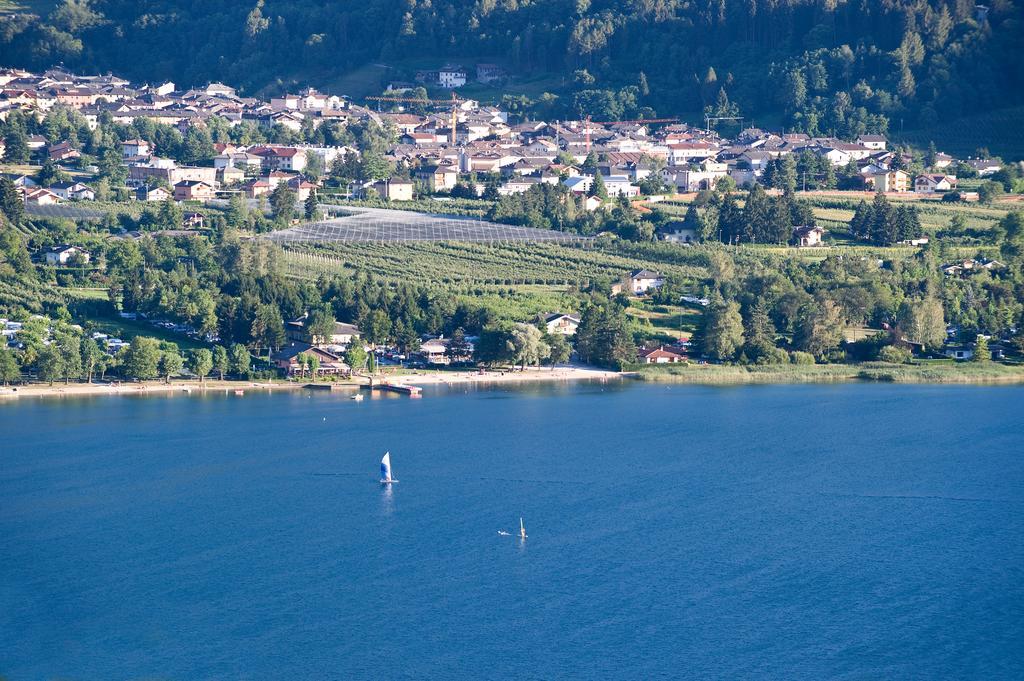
(383, 225)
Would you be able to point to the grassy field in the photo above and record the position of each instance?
(999, 131)
(84, 293)
(663, 323)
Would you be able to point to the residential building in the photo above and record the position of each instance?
(934, 183)
(193, 190)
(63, 152)
(659, 355)
(343, 333)
(889, 181)
(61, 255)
(642, 281)
(808, 235)
(440, 177)
(873, 142)
(39, 196)
(394, 190)
(145, 193)
(451, 77)
(983, 166)
(74, 191)
(564, 324)
(619, 185)
(136, 148)
(435, 351)
(292, 360)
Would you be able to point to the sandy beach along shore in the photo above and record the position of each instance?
(472, 376)
(142, 388)
(469, 376)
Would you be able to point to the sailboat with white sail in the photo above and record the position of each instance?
(522, 530)
(385, 470)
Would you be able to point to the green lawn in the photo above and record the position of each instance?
(85, 293)
(663, 323)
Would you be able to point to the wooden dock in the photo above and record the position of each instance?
(410, 390)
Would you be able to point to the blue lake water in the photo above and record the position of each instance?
(784, 532)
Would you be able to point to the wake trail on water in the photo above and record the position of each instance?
(922, 497)
(536, 482)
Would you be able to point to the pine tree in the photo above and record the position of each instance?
(723, 330)
(787, 173)
(908, 223)
(311, 206)
(883, 221)
(730, 220)
(780, 221)
(982, 353)
(11, 204)
(758, 331)
(16, 146)
(756, 216)
(860, 225)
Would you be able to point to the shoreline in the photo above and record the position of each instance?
(869, 372)
(532, 374)
(142, 388)
(468, 377)
(710, 375)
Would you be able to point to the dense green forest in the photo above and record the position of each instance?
(818, 65)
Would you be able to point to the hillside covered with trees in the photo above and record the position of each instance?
(823, 66)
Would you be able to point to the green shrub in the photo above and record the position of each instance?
(798, 357)
(775, 356)
(894, 355)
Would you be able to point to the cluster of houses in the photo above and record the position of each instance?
(433, 150)
(969, 266)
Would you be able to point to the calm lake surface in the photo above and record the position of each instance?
(782, 532)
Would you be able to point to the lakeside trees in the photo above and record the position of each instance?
(142, 360)
(201, 363)
(10, 370)
(723, 330)
(604, 337)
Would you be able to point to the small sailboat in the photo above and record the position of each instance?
(358, 397)
(503, 533)
(522, 530)
(385, 470)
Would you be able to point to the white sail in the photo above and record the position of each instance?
(385, 468)
(522, 529)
